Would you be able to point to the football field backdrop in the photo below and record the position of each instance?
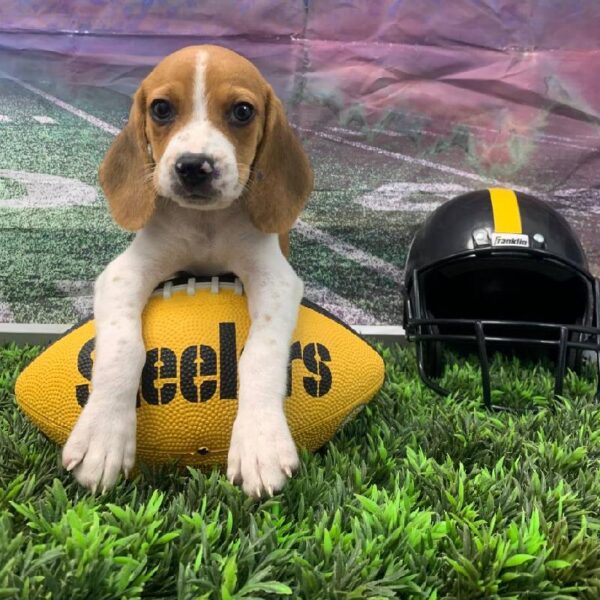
(400, 105)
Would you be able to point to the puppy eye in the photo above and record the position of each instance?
(242, 112)
(162, 111)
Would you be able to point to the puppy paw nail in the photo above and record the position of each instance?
(72, 464)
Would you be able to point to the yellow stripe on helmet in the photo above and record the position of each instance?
(505, 206)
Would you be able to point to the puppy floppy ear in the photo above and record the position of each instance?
(124, 176)
(282, 178)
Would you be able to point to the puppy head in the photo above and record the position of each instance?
(205, 129)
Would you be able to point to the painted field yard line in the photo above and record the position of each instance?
(338, 305)
(350, 252)
(412, 160)
(70, 108)
(399, 196)
(43, 120)
(48, 191)
(554, 140)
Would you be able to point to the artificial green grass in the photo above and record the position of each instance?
(418, 497)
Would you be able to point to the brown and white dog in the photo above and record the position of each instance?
(211, 176)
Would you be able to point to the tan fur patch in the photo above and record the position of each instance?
(230, 79)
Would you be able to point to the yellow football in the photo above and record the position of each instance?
(194, 333)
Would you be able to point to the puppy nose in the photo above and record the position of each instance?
(194, 170)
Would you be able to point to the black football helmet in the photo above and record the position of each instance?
(499, 270)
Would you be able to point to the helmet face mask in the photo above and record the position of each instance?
(522, 299)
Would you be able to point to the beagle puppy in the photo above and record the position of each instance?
(210, 175)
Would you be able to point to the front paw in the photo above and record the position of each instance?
(262, 454)
(101, 444)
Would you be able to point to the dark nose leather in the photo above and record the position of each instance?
(195, 171)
